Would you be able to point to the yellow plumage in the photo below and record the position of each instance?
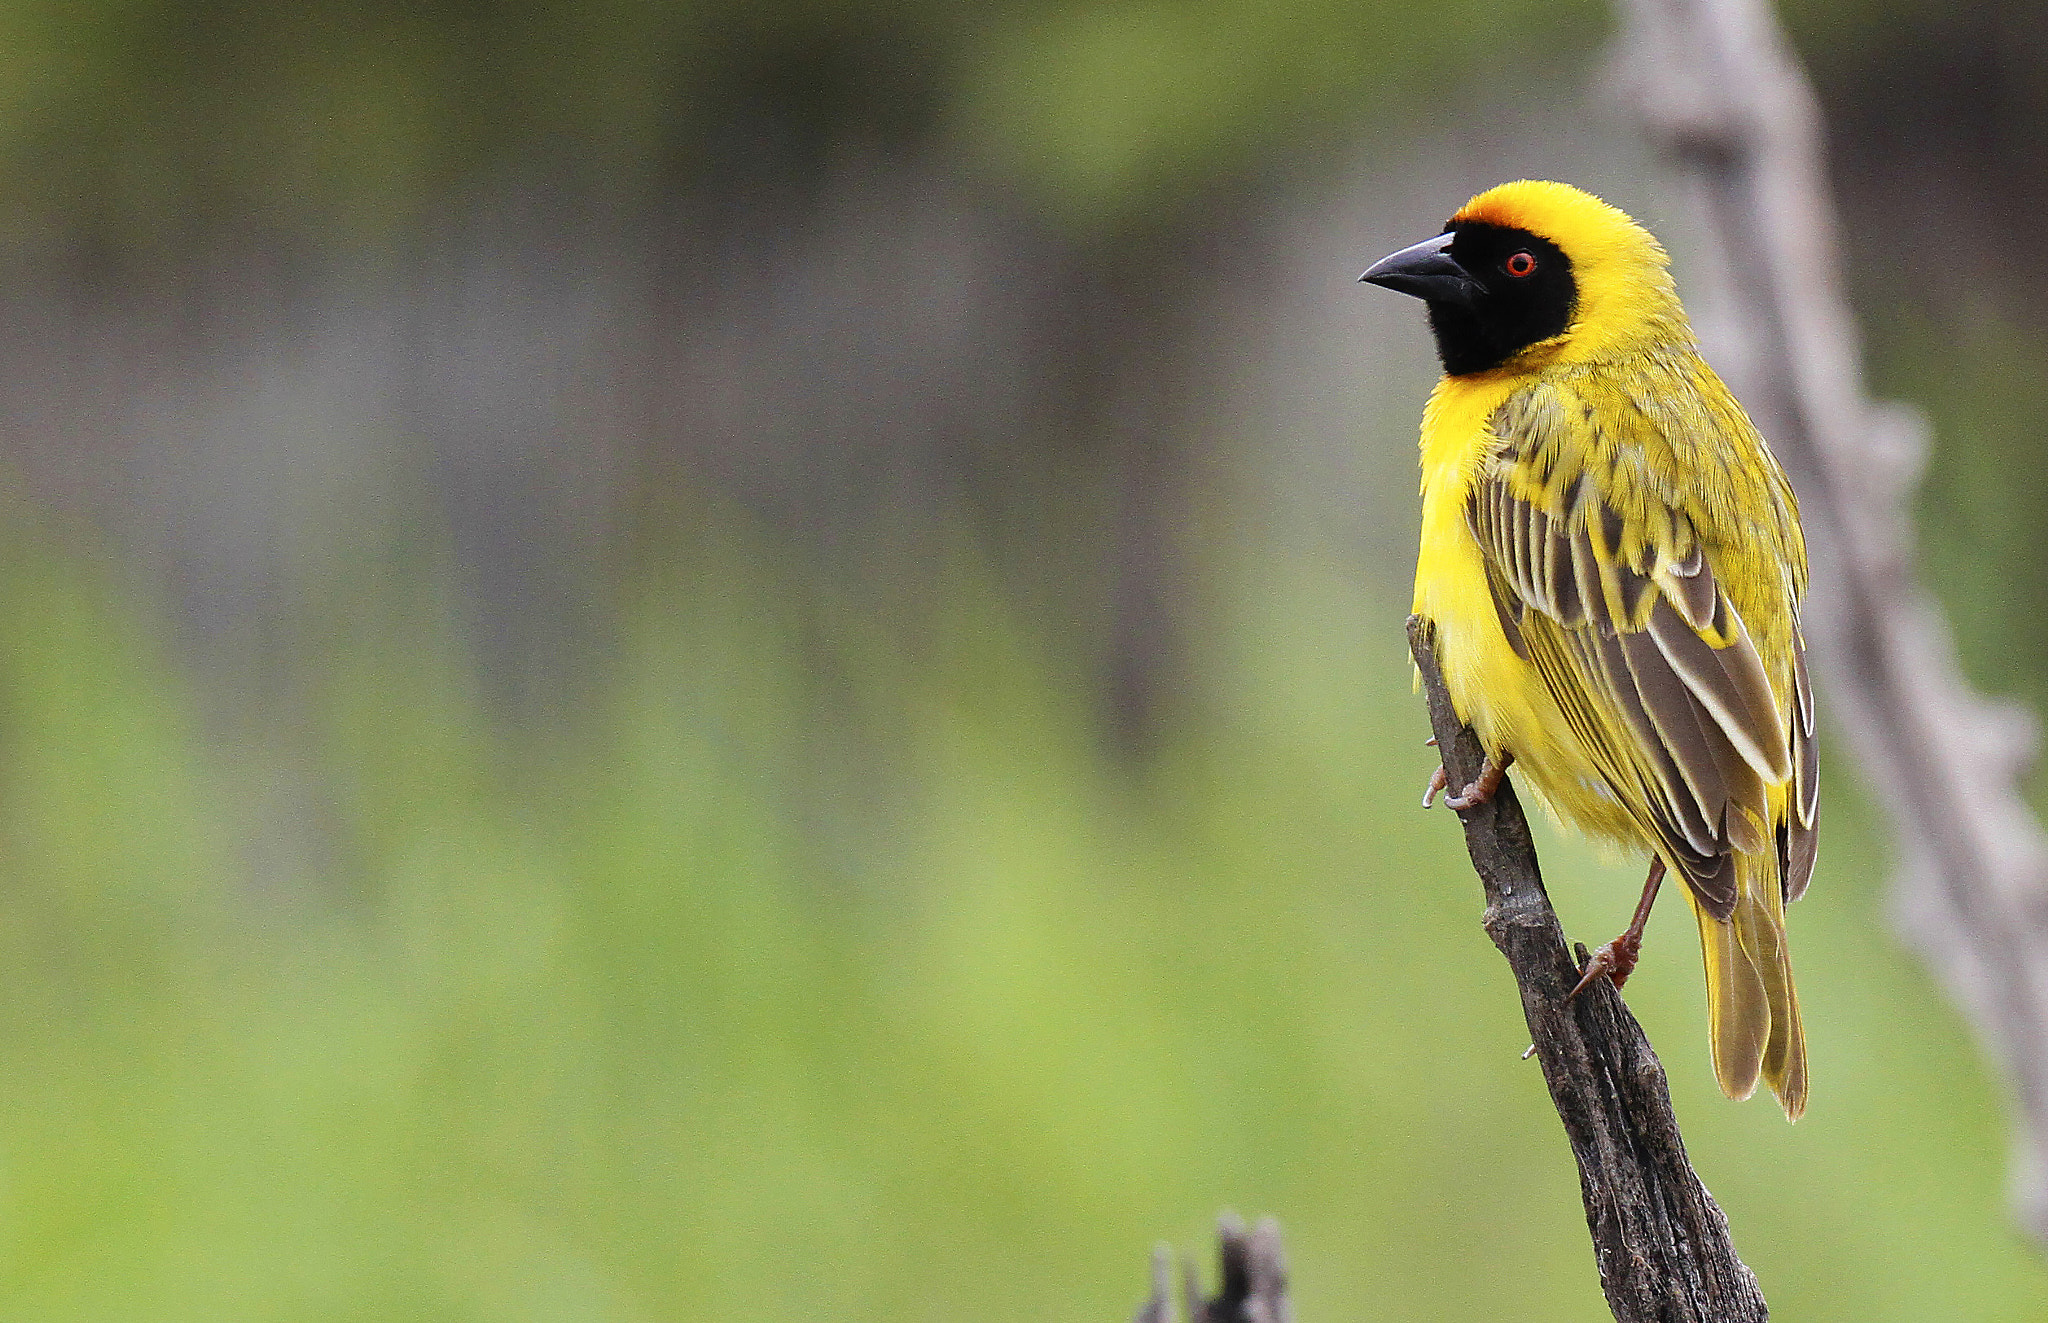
(1614, 565)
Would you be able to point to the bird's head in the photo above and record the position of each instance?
(1532, 273)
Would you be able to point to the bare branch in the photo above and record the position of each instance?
(1661, 1241)
(1717, 86)
(1254, 1285)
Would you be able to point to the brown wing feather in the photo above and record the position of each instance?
(1800, 833)
(1656, 675)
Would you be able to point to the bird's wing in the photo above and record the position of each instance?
(1609, 592)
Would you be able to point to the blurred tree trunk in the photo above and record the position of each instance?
(1717, 85)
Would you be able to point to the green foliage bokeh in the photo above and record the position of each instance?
(150, 122)
(803, 974)
(600, 1030)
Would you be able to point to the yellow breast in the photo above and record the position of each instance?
(1496, 692)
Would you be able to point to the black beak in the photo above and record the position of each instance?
(1427, 271)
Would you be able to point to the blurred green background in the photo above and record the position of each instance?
(745, 662)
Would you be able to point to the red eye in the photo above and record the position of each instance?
(1521, 264)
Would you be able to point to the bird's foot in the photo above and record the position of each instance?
(1473, 795)
(1614, 961)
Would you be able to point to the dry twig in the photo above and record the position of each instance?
(1661, 1241)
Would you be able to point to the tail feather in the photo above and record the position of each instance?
(1738, 1006)
(1752, 1005)
(1760, 924)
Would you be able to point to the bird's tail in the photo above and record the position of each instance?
(1752, 1007)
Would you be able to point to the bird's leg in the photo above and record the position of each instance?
(1472, 796)
(1617, 959)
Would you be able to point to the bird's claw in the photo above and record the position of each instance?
(1614, 961)
(1474, 794)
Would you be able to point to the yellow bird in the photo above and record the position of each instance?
(1613, 561)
